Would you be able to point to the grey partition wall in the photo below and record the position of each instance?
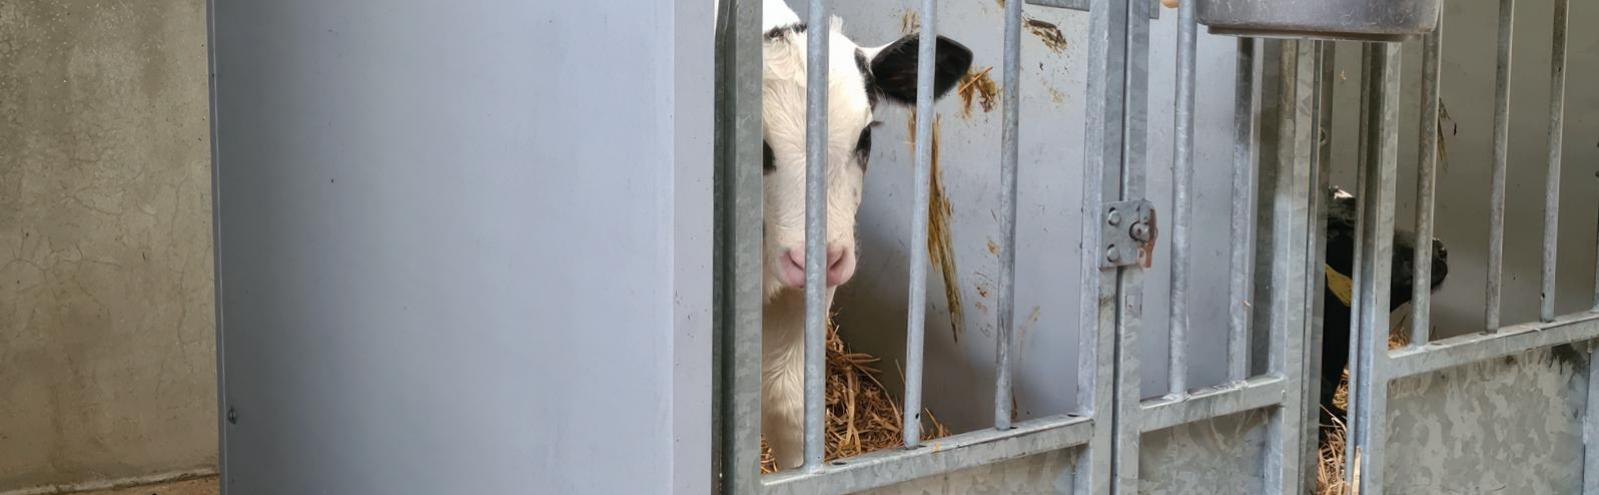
(464, 247)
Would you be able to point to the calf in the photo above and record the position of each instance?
(858, 79)
(1336, 309)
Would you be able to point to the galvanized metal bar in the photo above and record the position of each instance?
(1557, 133)
(1590, 426)
(951, 454)
(1255, 393)
(1129, 279)
(1510, 340)
(1182, 201)
(1009, 148)
(816, 235)
(738, 256)
(1291, 251)
(1379, 158)
(1102, 155)
(1501, 157)
(1081, 5)
(1426, 187)
(1246, 139)
(1310, 373)
(916, 320)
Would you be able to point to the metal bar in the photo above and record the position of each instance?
(1291, 249)
(1496, 217)
(1129, 280)
(1590, 425)
(1011, 95)
(1426, 187)
(1557, 132)
(1079, 5)
(948, 454)
(1379, 163)
(739, 257)
(1310, 372)
(1255, 393)
(1513, 339)
(1102, 155)
(916, 320)
(1182, 201)
(816, 235)
(1245, 142)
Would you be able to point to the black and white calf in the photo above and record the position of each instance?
(859, 78)
(1336, 308)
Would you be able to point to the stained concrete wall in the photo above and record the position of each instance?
(106, 341)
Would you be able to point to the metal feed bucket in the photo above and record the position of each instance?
(1359, 20)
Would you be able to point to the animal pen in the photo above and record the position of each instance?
(1257, 133)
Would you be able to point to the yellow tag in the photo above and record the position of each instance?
(1340, 285)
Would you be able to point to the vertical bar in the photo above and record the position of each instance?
(1182, 202)
(1007, 222)
(816, 234)
(1590, 426)
(1245, 140)
(1379, 160)
(1129, 280)
(1102, 155)
(916, 326)
(1496, 217)
(1557, 132)
(738, 256)
(1426, 187)
(1290, 256)
(1310, 373)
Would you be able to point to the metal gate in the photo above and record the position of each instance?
(1284, 110)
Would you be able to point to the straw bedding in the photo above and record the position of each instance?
(861, 415)
(1330, 465)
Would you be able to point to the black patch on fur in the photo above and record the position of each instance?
(866, 75)
(783, 31)
(769, 158)
(894, 69)
(863, 147)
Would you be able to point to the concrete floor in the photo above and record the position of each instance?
(202, 486)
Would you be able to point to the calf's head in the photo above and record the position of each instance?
(859, 79)
(1341, 250)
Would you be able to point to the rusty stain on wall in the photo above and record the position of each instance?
(1047, 32)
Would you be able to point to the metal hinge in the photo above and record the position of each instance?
(1129, 234)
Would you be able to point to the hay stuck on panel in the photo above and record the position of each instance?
(861, 415)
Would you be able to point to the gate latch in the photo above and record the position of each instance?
(1129, 234)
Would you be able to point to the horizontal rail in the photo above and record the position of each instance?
(1079, 5)
(1256, 393)
(935, 457)
(1510, 340)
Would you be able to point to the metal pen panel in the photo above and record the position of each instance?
(1102, 155)
(816, 235)
(1590, 424)
(1501, 157)
(1129, 280)
(1557, 131)
(1009, 148)
(916, 320)
(1182, 202)
(1379, 157)
(1426, 186)
(1310, 373)
(738, 257)
(1246, 138)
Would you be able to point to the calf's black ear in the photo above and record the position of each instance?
(893, 68)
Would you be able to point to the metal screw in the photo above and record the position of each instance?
(1141, 231)
(1114, 218)
(233, 416)
(1113, 254)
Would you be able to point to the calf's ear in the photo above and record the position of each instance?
(893, 67)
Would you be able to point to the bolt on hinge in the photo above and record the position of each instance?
(1129, 234)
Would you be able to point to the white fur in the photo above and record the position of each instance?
(783, 113)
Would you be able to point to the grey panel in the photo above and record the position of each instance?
(454, 258)
(1511, 425)
(1049, 473)
(1222, 455)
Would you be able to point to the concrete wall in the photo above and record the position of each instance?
(106, 348)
